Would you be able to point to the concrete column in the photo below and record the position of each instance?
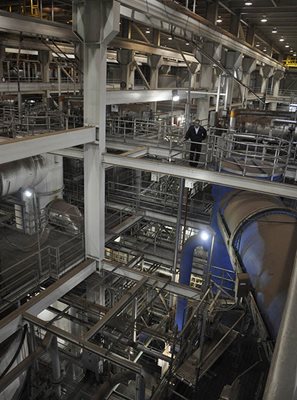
(97, 23)
(2, 58)
(204, 83)
(266, 72)
(126, 28)
(79, 56)
(277, 77)
(45, 58)
(125, 58)
(235, 24)
(155, 62)
(212, 7)
(156, 37)
(233, 62)
(248, 66)
(206, 76)
(250, 35)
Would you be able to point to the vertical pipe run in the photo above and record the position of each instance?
(282, 379)
(56, 368)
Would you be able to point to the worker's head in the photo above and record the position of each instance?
(197, 122)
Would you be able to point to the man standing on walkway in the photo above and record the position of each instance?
(196, 133)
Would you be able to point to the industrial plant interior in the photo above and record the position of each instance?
(148, 199)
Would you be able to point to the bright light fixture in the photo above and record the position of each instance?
(287, 45)
(257, 44)
(264, 19)
(147, 30)
(170, 38)
(187, 44)
(274, 30)
(248, 3)
(219, 20)
(204, 235)
(294, 54)
(175, 95)
(28, 193)
(282, 39)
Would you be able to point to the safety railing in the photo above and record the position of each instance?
(248, 154)
(129, 130)
(26, 275)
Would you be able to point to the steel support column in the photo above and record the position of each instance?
(97, 23)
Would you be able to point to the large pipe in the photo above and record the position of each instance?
(185, 271)
(281, 381)
(262, 232)
(24, 173)
(185, 277)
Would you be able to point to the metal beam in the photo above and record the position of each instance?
(158, 216)
(11, 22)
(37, 87)
(85, 344)
(158, 15)
(222, 179)
(135, 275)
(147, 96)
(11, 322)
(146, 48)
(116, 309)
(121, 228)
(16, 149)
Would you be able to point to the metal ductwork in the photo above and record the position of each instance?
(66, 216)
(262, 233)
(20, 174)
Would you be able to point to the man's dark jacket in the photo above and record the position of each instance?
(196, 137)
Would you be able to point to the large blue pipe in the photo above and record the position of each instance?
(185, 277)
(185, 271)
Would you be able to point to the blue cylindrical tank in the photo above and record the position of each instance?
(262, 233)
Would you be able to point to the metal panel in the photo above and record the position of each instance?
(16, 149)
(239, 182)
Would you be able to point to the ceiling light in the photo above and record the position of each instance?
(291, 51)
(274, 30)
(294, 54)
(147, 30)
(287, 45)
(264, 19)
(258, 45)
(265, 49)
(248, 3)
(170, 38)
(187, 44)
(219, 20)
(282, 39)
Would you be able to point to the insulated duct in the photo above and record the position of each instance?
(20, 174)
(262, 233)
(66, 216)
